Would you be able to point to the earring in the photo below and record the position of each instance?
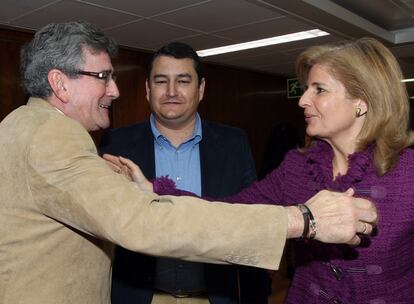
(358, 112)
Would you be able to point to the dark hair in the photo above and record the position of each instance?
(177, 50)
(60, 46)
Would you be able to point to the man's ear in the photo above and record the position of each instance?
(147, 89)
(201, 88)
(57, 80)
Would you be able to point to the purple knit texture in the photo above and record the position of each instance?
(381, 269)
(165, 186)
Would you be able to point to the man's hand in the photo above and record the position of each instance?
(339, 217)
(129, 169)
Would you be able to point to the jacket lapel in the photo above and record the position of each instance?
(143, 141)
(210, 161)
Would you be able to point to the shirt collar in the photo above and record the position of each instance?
(195, 137)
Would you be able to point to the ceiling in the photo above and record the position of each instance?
(148, 24)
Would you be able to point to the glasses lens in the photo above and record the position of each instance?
(105, 76)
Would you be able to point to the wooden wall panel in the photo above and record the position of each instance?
(132, 105)
(252, 101)
(249, 100)
(11, 93)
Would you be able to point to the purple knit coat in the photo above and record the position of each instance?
(381, 269)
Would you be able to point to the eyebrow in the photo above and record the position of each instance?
(184, 75)
(316, 83)
(103, 70)
(178, 75)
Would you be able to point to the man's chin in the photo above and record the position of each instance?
(101, 126)
(105, 126)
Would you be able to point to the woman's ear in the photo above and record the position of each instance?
(361, 107)
(57, 80)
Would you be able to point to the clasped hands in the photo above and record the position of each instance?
(340, 217)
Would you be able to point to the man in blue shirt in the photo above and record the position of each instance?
(206, 158)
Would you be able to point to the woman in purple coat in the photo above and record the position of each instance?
(357, 112)
(356, 109)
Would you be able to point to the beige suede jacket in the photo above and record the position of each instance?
(62, 210)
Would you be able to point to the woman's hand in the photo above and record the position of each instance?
(129, 169)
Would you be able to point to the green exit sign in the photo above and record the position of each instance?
(294, 89)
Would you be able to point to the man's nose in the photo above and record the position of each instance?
(112, 90)
(172, 89)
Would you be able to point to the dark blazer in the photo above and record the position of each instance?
(226, 168)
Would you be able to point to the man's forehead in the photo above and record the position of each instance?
(185, 65)
(97, 59)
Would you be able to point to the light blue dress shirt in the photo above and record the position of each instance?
(182, 164)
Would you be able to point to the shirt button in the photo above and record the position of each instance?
(178, 178)
(374, 269)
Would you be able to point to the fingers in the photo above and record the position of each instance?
(129, 164)
(112, 159)
(113, 162)
(136, 174)
(342, 218)
(364, 228)
(134, 170)
(366, 216)
(361, 227)
(114, 167)
(366, 211)
(349, 192)
(129, 169)
(355, 241)
(119, 165)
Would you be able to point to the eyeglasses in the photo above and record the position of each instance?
(106, 76)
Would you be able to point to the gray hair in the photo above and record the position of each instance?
(60, 46)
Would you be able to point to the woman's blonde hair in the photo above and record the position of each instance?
(368, 71)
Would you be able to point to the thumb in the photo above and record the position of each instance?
(349, 192)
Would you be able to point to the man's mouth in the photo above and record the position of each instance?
(308, 115)
(172, 101)
(104, 106)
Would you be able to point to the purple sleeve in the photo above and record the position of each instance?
(266, 191)
(165, 186)
(273, 188)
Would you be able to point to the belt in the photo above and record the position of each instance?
(184, 294)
